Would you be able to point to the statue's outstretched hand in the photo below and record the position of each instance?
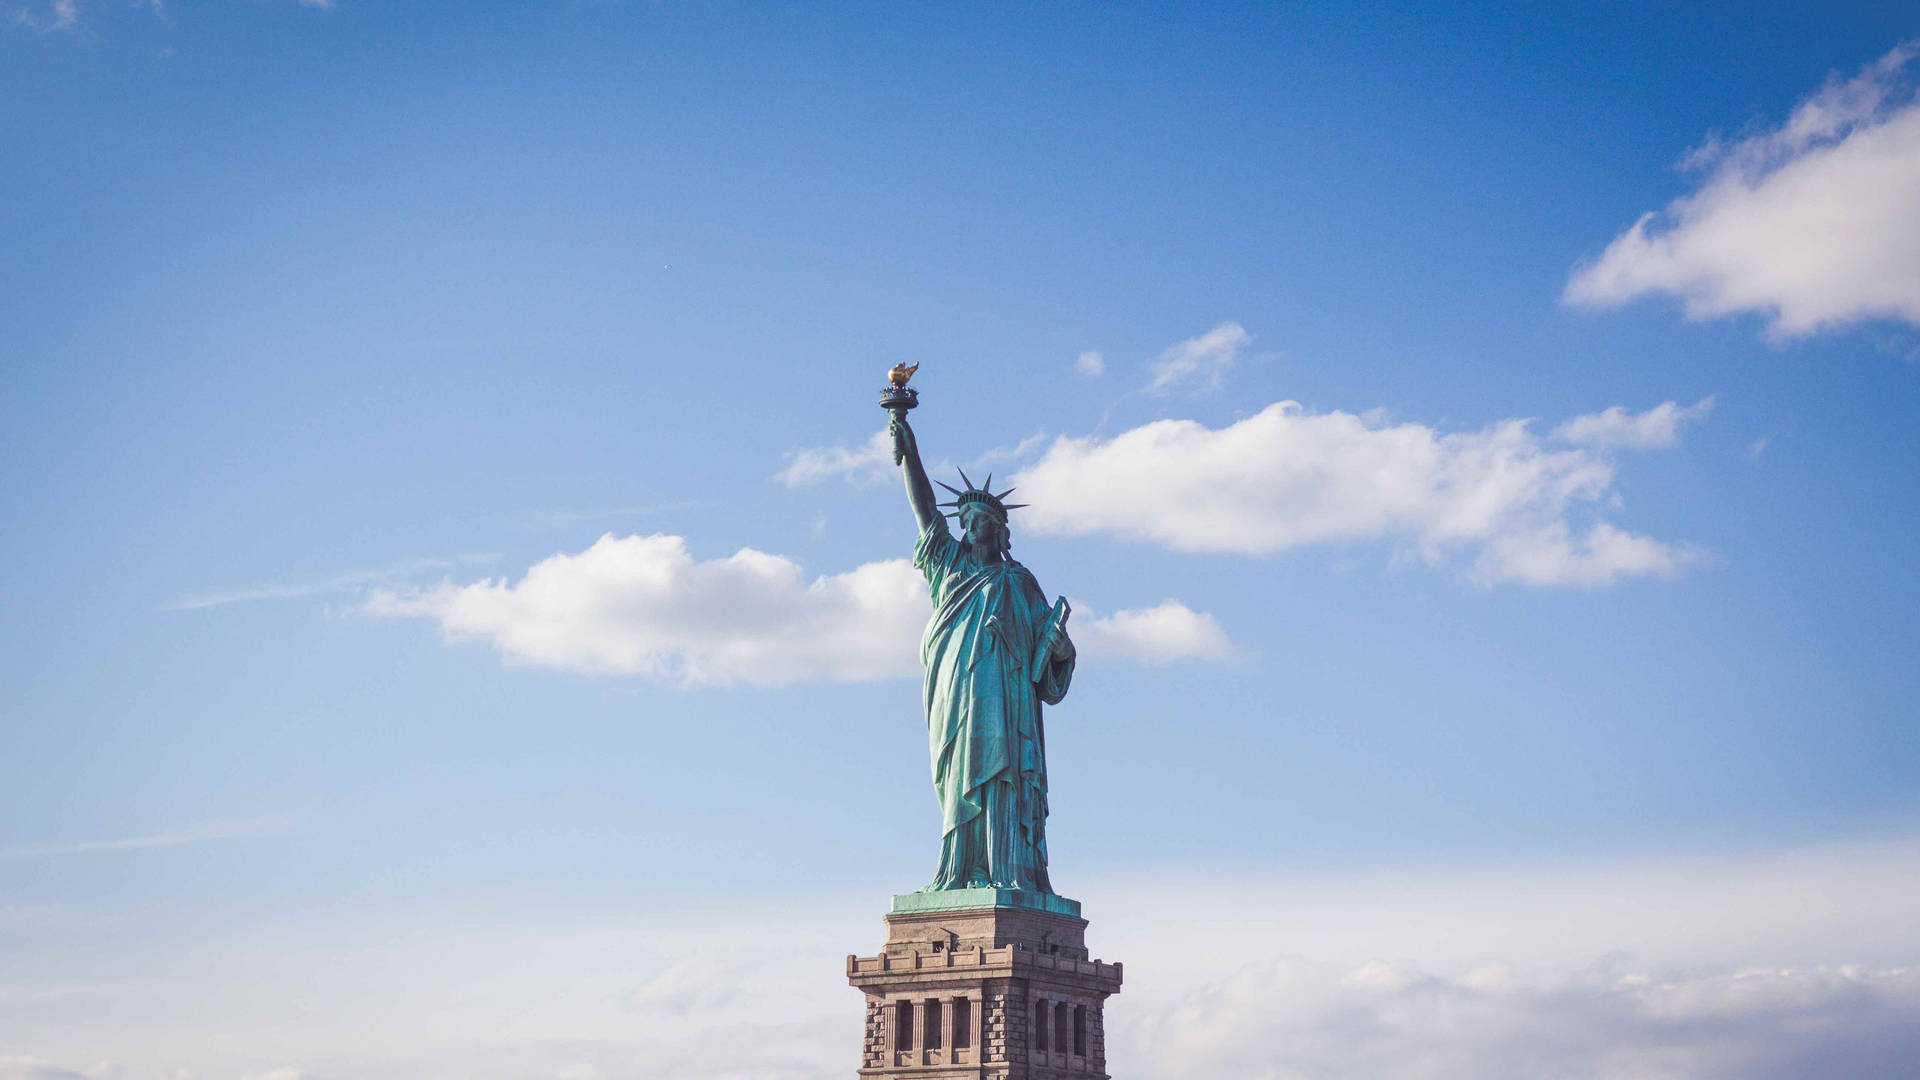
(902, 440)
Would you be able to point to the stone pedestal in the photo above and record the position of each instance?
(988, 984)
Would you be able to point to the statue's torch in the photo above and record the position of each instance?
(898, 397)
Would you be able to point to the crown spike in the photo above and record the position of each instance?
(963, 478)
(1006, 493)
(988, 485)
(1014, 506)
(948, 486)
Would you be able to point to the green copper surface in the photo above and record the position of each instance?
(994, 652)
(966, 899)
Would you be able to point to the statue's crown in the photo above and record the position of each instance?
(979, 497)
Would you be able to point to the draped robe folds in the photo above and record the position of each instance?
(983, 714)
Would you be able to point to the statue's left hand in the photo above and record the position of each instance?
(1058, 644)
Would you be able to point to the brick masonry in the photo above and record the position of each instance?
(1013, 969)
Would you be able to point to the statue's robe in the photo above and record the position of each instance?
(983, 714)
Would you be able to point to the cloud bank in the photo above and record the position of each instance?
(1293, 1019)
(1277, 1018)
(1739, 967)
(1813, 224)
(643, 606)
(1286, 478)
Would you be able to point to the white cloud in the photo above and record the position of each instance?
(1201, 361)
(1168, 631)
(871, 462)
(1286, 478)
(1551, 555)
(1090, 363)
(1813, 224)
(641, 605)
(1656, 428)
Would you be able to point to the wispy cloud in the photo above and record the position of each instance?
(59, 15)
(29, 1068)
(1000, 455)
(1286, 478)
(1090, 363)
(1813, 224)
(1199, 363)
(1656, 428)
(869, 463)
(197, 834)
(353, 580)
(63, 15)
(872, 462)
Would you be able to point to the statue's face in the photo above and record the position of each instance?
(984, 531)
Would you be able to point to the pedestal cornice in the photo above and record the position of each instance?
(970, 899)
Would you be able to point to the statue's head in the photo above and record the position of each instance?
(985, 532)
(982, 514)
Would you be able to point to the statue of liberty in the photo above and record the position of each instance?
(994, 652)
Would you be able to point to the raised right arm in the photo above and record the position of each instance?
(906, 452)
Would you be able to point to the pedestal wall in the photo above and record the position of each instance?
(990, 993)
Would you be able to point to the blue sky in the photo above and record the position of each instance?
(391, 387)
